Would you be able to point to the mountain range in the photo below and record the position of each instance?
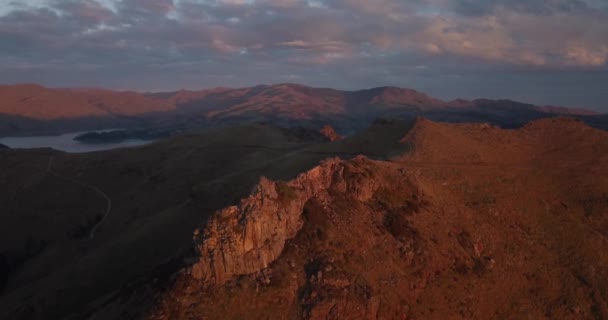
(291, 202)
(28, 109)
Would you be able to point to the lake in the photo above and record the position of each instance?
(66, 142)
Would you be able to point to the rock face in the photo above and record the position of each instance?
(245, 239)
(329, 132)
(3, 146)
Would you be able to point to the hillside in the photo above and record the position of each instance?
(433, 220)
(158, 192)
(510, 226)
(462, 219)
(37, 102)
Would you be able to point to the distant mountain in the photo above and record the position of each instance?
(391, 97)
(30, 109)
(37, 102)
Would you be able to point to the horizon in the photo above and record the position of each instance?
(539, 52)
(194, 89)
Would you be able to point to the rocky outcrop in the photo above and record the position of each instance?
(329, 132)
(245, 239)
(3, 146)
(441, 234)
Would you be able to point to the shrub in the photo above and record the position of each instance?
(285, 192)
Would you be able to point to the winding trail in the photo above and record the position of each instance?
(50, 171)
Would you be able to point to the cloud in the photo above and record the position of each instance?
(537, 7)
(304, 39)
(87, 12)
(138, 7)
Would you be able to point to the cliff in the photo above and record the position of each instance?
(245, 239)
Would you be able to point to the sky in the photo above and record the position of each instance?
(551, 52)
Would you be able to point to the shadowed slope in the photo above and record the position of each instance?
(159, 192)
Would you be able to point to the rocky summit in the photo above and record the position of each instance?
(425, 235)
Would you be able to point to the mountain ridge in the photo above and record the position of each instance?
(433, 219)
(34, 101)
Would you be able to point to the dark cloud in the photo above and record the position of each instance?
(437, 45)
(133, 10)
(538, 7)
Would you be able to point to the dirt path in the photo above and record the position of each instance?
(49, 170)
